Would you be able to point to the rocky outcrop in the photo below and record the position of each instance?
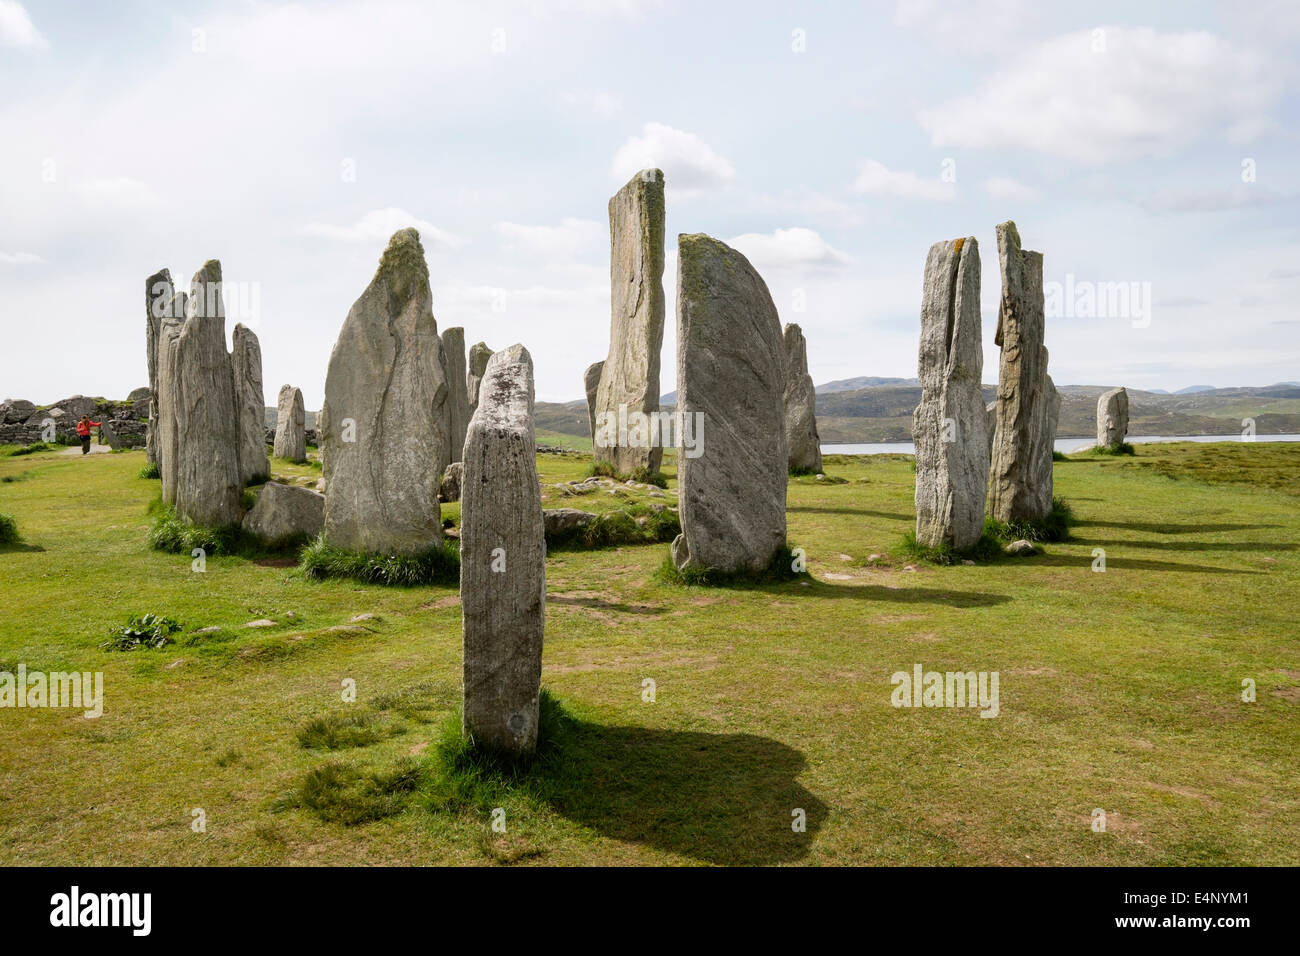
(286, 514)
(950, 425)
(1112, 418)
(246, 362)
(290, 425)
(456, 407)
(803, 446)
(381, 429)
(503, 561)
(1019, 333)
(629, 380)
(730, 371)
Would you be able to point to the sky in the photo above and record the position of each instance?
(1152, 145)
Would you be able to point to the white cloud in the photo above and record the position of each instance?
(690, 165)
(570, 240)
(17, 29)
(121, 192)
(795, 248)
(875, 179)
(974, 26)
(379, 226)
(1212, 200)
(808, 204)
(1004, 187)
(1142, 93)
(20, 259)
(602, 104)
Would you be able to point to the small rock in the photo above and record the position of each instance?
(967, 561)
(1020, 548)
(262, 622)
(208, 630)
(362, 617)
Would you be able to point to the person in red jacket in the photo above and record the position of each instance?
(83, 431)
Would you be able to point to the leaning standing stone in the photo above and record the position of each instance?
(209, 487)
(950, 425)
(290, 425)
(479, 354)
(591, 382)
(629, 381)
(457, 404)
(246, 360)
(1020, 335)
(503, 561)
(381, 424)
(1112, 418)
(730, 371)
(803, 446)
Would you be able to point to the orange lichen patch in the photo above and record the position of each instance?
(956, 246)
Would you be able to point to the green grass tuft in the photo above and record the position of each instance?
(601, 469)
(9, 529)
(30, 449)
(151, 470)
(780, 569)
(342, 793)
(987, 548)
(439, 564)
(169, 533)
(340, 731)
(1123, 448)
(1055, 527)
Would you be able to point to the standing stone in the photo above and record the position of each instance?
(479, 354)
(457, 404)
(167, 445)
(991, 423)
(950, 426)
(246, 361)
(503, 561)
(591, 382)
(158, 295)
(1047, 410)
(803, 445)
(1020, 335)
(629, 381)
(208, 483)
(290, 425)
(380, 427)
(730, 370)
(1112, 418)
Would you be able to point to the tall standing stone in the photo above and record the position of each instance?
(169, 333)
(950, 425)
(246, 361)
(730, 371)
(209, 487)
(503, 561)
(1020, 335)
(290, 425)
(803, 445)
(380, 426)
(158, 295)
(479, 354)
(629, 381)
(1047, 410)
(457, 404)
(991, 423)
(591, 384)
(1112, 418)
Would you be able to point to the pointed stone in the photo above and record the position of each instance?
(380, 427)
(591, 383)
(457, 404)
(246, 361)
(503, 561)
(629, 381)
(731, 371)
(950, 425)
(290, 425)
(479, 354)
(158, 295)
(1020, 335)
(209, 487)
(803, 446)
(1112, 418)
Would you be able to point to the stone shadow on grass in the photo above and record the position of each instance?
(726, 799)
(1117, 563)
(890, 515)
(19, 547)
(1197, 545)
(872, 592)
(1168, 528)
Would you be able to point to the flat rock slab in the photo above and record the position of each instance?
(285, 513)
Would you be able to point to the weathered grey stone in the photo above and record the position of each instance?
(138, 395)
(565, 521)
(591, 383)
(290, 425)
(991, 423)
(380, 427)
(629, 381)
(208, 482)
(1112, 418)
(1020, 334)
(246, 362)
(503, 561)
(286, 513)
(803, 445)
(449, 489)
(16, 410)
(168, 392)
(1021, 548)
(479, 354)
(107, 435)
(456, 407)
(950, 426)
(1046, 412)
(158, 296)
(730, 371)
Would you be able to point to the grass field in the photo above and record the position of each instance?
(1118, 690)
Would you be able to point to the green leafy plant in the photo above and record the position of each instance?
(143, 630)
(439, 564)
(151, 470)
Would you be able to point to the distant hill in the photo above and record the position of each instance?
(1190, 389)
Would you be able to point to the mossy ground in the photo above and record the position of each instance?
(1119, 690)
